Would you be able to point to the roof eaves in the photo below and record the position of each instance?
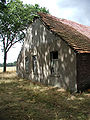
(81, 48)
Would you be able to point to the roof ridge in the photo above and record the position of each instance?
(77, 26)
(76, 35)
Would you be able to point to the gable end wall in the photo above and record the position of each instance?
(40, 41)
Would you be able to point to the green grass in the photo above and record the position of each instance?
(21, 99)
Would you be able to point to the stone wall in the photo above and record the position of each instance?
(38, 45)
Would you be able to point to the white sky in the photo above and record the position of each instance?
(75, 10)
(12, 54)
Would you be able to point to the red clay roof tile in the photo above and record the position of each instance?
(76, 35)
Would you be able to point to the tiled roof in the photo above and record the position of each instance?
(76, 35)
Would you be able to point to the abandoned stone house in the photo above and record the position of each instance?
(56, 52)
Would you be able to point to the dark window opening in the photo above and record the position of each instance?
(54, 55)
(27, 64)
(26, 58)
(54, 62)
(34, 60)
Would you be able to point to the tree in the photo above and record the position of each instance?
(3, 1)
(14, 21)
(2, 5)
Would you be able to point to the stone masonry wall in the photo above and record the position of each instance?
(39, 43)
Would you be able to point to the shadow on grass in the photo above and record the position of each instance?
(21, 99)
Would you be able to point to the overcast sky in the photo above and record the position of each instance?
(75, 10)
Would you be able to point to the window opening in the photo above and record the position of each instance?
(34, 60)
(54, 62)
(27, 64)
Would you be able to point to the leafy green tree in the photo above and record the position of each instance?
(2, 6)
(3, 1)
(13, 23)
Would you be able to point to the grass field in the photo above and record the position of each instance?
(8, 69)
(21, 99)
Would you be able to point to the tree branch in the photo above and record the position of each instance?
(14, 43)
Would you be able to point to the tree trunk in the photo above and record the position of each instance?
(5, 59)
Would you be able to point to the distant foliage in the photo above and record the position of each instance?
(1, 65)
(9, 64)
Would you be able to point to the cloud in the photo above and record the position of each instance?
(77, 10)
(52, 5)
